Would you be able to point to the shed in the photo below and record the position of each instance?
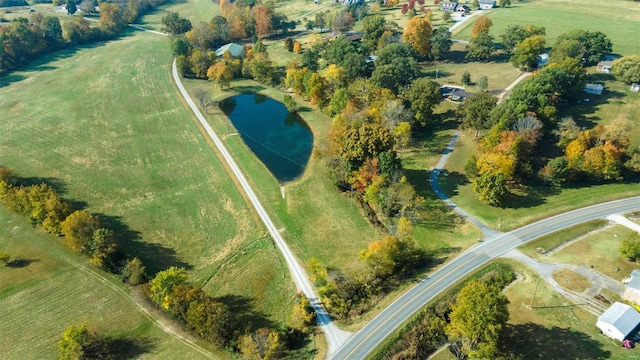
(605, 66)
(458, 95)
(236, 50)
(635, 87)
(619, 321)
(595, 89)
(486, 4)
(543, 59)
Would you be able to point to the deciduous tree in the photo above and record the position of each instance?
(481, 26)
(477, 319)
(161, 286)
(422, 96)
(440, 43)
(627, 68)
(525, 56)
(174, 24)
(221, 74)
(78, 229)
(417, 33)
(631, 247)
(262, 17)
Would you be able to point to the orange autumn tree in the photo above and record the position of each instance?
(417, 34)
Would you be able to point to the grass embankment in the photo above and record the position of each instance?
(545, 244)
(554, 328)
(618, 19)
(112, 134)
(52, 288)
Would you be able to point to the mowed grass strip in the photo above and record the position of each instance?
(620, 20)
(543, 245)
(571, 280)
(601, 251)
(53, 289)
(105, 123)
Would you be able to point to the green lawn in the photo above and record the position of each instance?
(54, 289)
(620, 20)
(600, 250)
(545, 244)
(554, 328)
(110, 131)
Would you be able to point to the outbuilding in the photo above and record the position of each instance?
(635, 87)
(595, 89)
(486, 4)
(236, 50)
(632, 290)
(619, 321)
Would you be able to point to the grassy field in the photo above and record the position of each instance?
(554, 328)
(571, 280)
(600, 250)
(53, 289)
(135, 156)
(620, 20)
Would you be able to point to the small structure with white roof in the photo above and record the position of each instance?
(619, 321)
(632, 291)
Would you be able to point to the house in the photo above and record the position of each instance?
(595, 89)
(632, 291)
(486, 4)
(619, 321)
(454, 7)
(543, 59)
(448, 6)
(605, 66)
(236, 50)
(458, 95)
(635, 87)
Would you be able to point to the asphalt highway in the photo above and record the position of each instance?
(364, 341)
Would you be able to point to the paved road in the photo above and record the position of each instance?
(365, 340)
(335, 337)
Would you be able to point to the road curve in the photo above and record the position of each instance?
(372, 334)
(335, 337)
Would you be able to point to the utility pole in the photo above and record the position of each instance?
(534, 294)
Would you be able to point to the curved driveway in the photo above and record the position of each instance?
(335, 337)
(365, 340)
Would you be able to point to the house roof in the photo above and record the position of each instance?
(622, 316)
(634, 283)
(236, 50)
(594, 86)
(459, 93)
(606, 63)
(489, 2)
(635, 273)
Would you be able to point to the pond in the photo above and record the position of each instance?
(281, 140)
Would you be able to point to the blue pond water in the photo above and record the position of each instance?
(281, 140)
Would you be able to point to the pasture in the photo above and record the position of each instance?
(112, 135)
(50, 288)
(620, 20)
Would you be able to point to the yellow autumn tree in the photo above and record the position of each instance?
(417, 34)
(221, 74)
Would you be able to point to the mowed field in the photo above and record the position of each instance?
(104, 125)
(53, 289)
(619, 19)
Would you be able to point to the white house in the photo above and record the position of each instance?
(619, 321)
(486, 4)
(605, 66)
(632, 290)
(595, 89)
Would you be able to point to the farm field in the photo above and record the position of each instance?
(135, 156)
(620, 20)
(53, 288)
(554, 328)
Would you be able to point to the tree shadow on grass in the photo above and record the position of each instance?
(20, 263)
(247, 318)
(129, 347)
(10, 79)
(155, 257)
(248, 89)
(533, 341)
(436, 215)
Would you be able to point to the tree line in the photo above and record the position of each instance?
(23, 40)
(509, 157)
